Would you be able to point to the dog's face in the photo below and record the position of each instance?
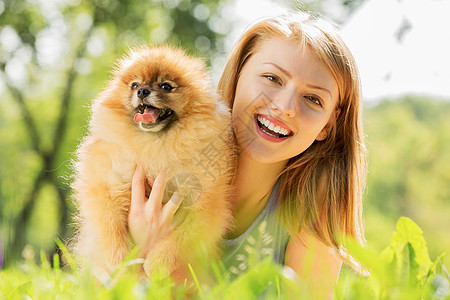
(154, 102)
(159, 86)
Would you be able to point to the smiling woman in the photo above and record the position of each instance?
(294, 91)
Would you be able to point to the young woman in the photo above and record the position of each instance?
(293, 88)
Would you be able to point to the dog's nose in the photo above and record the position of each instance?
(143, 92)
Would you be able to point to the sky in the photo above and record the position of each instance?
(401, 47)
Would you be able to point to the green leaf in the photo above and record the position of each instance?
(410, 250)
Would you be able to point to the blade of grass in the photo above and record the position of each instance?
(67, 255)
(56, 262)
(277, 279)
(196, 281)
(220, 276)
(126, 262)
(44, 262)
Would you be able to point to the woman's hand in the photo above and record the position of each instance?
(149, 220)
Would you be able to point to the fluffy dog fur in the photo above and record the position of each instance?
(193, 139)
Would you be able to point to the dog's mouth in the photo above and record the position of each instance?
(148, 116)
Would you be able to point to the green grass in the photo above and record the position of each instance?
(403, 270)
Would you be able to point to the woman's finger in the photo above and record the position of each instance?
(157, 193)
(137, 190)
(171, 207)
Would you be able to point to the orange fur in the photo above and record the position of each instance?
(115, 145)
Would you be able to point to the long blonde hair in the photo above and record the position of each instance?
(321, 189)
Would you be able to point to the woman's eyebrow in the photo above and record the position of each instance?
(280, 68)
(316, 87)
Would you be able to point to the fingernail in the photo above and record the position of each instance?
(163, 173)
(176, 198)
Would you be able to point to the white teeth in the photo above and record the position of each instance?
(271, 126)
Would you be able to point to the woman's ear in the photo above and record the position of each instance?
(337, 113)
(332, 122)
(323, 133)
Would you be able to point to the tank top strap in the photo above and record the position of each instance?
(265, 237)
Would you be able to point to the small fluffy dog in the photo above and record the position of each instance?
(158, 111)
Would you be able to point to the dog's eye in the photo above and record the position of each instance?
(134, 85)
(166, 87)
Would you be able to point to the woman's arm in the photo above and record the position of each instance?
(316, 264)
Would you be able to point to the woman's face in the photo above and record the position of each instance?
(285, 100)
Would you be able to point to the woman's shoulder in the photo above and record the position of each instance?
(307, 254)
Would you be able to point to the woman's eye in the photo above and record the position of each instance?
(134, 85)
(314, 100)
(273, 79)
(166, 87)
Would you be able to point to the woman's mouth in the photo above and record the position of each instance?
(272, 129)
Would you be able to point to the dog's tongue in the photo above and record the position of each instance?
(149, 116)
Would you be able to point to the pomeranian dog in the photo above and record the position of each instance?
(157, 112)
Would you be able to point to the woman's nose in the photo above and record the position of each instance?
(283, 103)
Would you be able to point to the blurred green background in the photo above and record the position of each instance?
(55, 57)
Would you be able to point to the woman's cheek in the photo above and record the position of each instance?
(242, 105)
